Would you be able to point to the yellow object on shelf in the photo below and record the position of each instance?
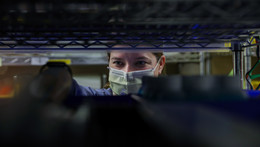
(255, 84)
(253, 41)
(67, 61)
(227, 44)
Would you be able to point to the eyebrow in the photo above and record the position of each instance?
(138, 58)
(116, 58)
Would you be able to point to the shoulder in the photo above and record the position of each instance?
(102, 92)
(80, 90)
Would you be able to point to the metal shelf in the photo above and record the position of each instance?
(87, 58)
(168, 37)
(37, 59)
(79, 12)
(101, 25)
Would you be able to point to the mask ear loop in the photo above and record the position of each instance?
(158, 62)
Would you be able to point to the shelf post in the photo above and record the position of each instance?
(248, 63)
(238, 61)
(208, 64)
(202, 63)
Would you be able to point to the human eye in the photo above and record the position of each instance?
(118, 63)
(141, 63)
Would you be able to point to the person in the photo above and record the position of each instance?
(126, 69)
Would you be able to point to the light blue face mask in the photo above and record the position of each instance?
(123, 83)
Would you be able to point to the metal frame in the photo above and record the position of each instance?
(172, 37)
(102, 25)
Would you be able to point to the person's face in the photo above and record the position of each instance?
(133, 61)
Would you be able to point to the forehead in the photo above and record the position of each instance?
(132, 54)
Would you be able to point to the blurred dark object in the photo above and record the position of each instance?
(162, 89)
(53, 82)
(206, 124)
(191, 88)
(206, 110)
(174, 111)
(36, 115)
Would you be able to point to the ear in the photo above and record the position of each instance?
(161, 64)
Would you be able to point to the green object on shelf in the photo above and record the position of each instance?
(249, 73)
(231, 73)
